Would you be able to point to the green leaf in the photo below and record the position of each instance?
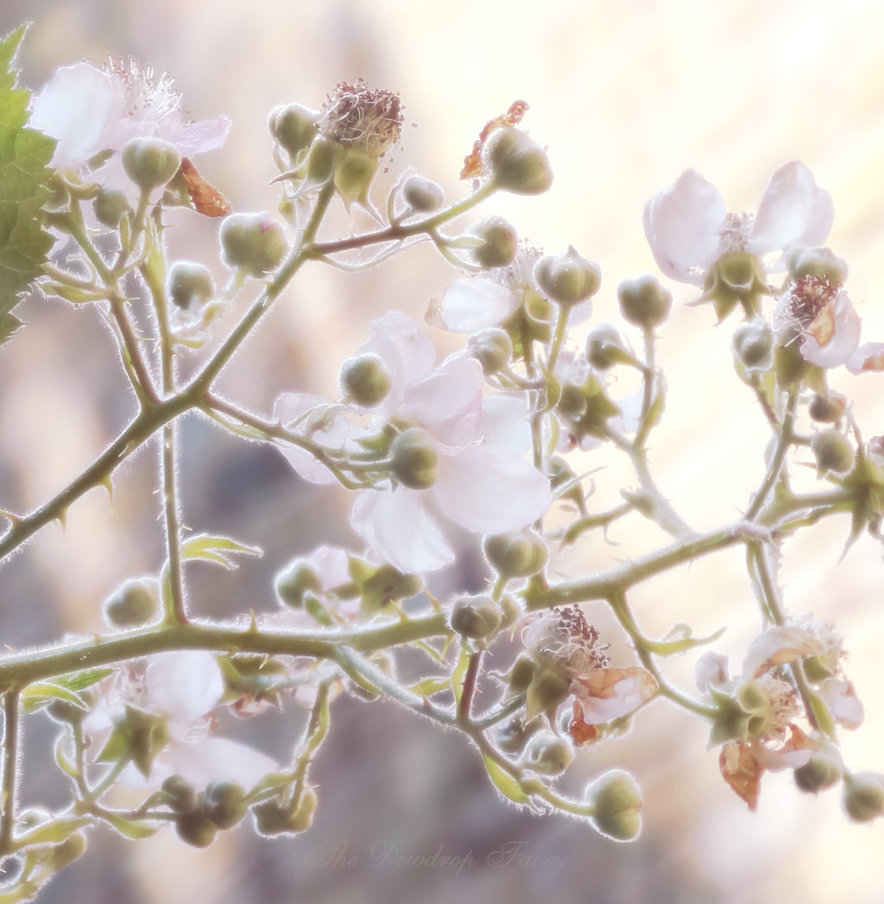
(24, 187)
(66, 765)
(682, 640)
(432, 685)
(504, 782)
(37, 695)
(130, 828)
(209, 548)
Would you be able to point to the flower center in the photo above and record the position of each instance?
(734, 234)
(146, 96)
(809, 297)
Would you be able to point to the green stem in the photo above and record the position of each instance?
(784, 440)
(10, 761)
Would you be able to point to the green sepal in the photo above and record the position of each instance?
(505, 783)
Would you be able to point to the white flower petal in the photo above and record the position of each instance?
(471, 304)
(184, 685)
(215, 759)
(683, 226)
(448, 402)
(793, 212)
(490, 490)
(868, 357)
(77, 107)
(841, 700)
(834, 336)
(504, 423)
(407, 354)
(398, 530)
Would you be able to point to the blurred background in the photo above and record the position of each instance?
(625, 96)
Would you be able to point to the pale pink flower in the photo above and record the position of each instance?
(89, 109)
(868, 357)
(688, 226)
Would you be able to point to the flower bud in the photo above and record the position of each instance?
(754, 344)
(273, 817)
(109, 206)
(616, 799)
(422, 195)
(294, 127)
(196, 829)
(295, 581)
(189, 285)
(604, 347)
(133, 603)
(516, 555)
(547, 690)
(499, 242)
(365, 380)
(71, 849)
(832, 451)
(475, 616)
(414, 460)
(224, 803)
(517, 163)
(567, 278)
(821, 263)
(548, 754)
(864, 796)
(150, 162)
(816, 774)
(643, 301)
(828, 409)
(521, 674)
(252, 242)
(181, 796)
(492, 348)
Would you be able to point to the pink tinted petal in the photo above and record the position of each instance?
(77, 107)
(407, 354)
(448, 402)
(793, 212)
(398, 530)
(610, 693)
(195, 137)
(215, 759)
(841, 700)
(332, 564)
(184, 685)
(833, 337)
(779, 646)
(868, 357)
(683, 227)
(471, 304)
(710, 671)
(490, 490)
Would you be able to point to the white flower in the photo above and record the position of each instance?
(484, 482)
(88, 110)
(688, 227)
(821, 316)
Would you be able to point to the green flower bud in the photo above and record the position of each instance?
(252, 242)
(354, 173)
(521, 674)
(827, 409)
(643, 301)
(475, 616)
(816, 774)
(189, 285)
(224, 803)
(181, 796)
(65, 712)
(414, 460)
(295, 581)
(109, 206)
(864, 796)
(150, 162)
(133, 603)
(832, 451)
(492, 348)
(516, 555)
(273, 817)
(548, 754)
(320, 164)
(499, 242)
(516, 162)
(422, 195)
(617, 802)
(821, 263)
(365, 380)
(547, 690)
(294, 127)
(754, 344)
(604, 347)
(196, 829)
(567, 278)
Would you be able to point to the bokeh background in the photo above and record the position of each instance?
(625, 96)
